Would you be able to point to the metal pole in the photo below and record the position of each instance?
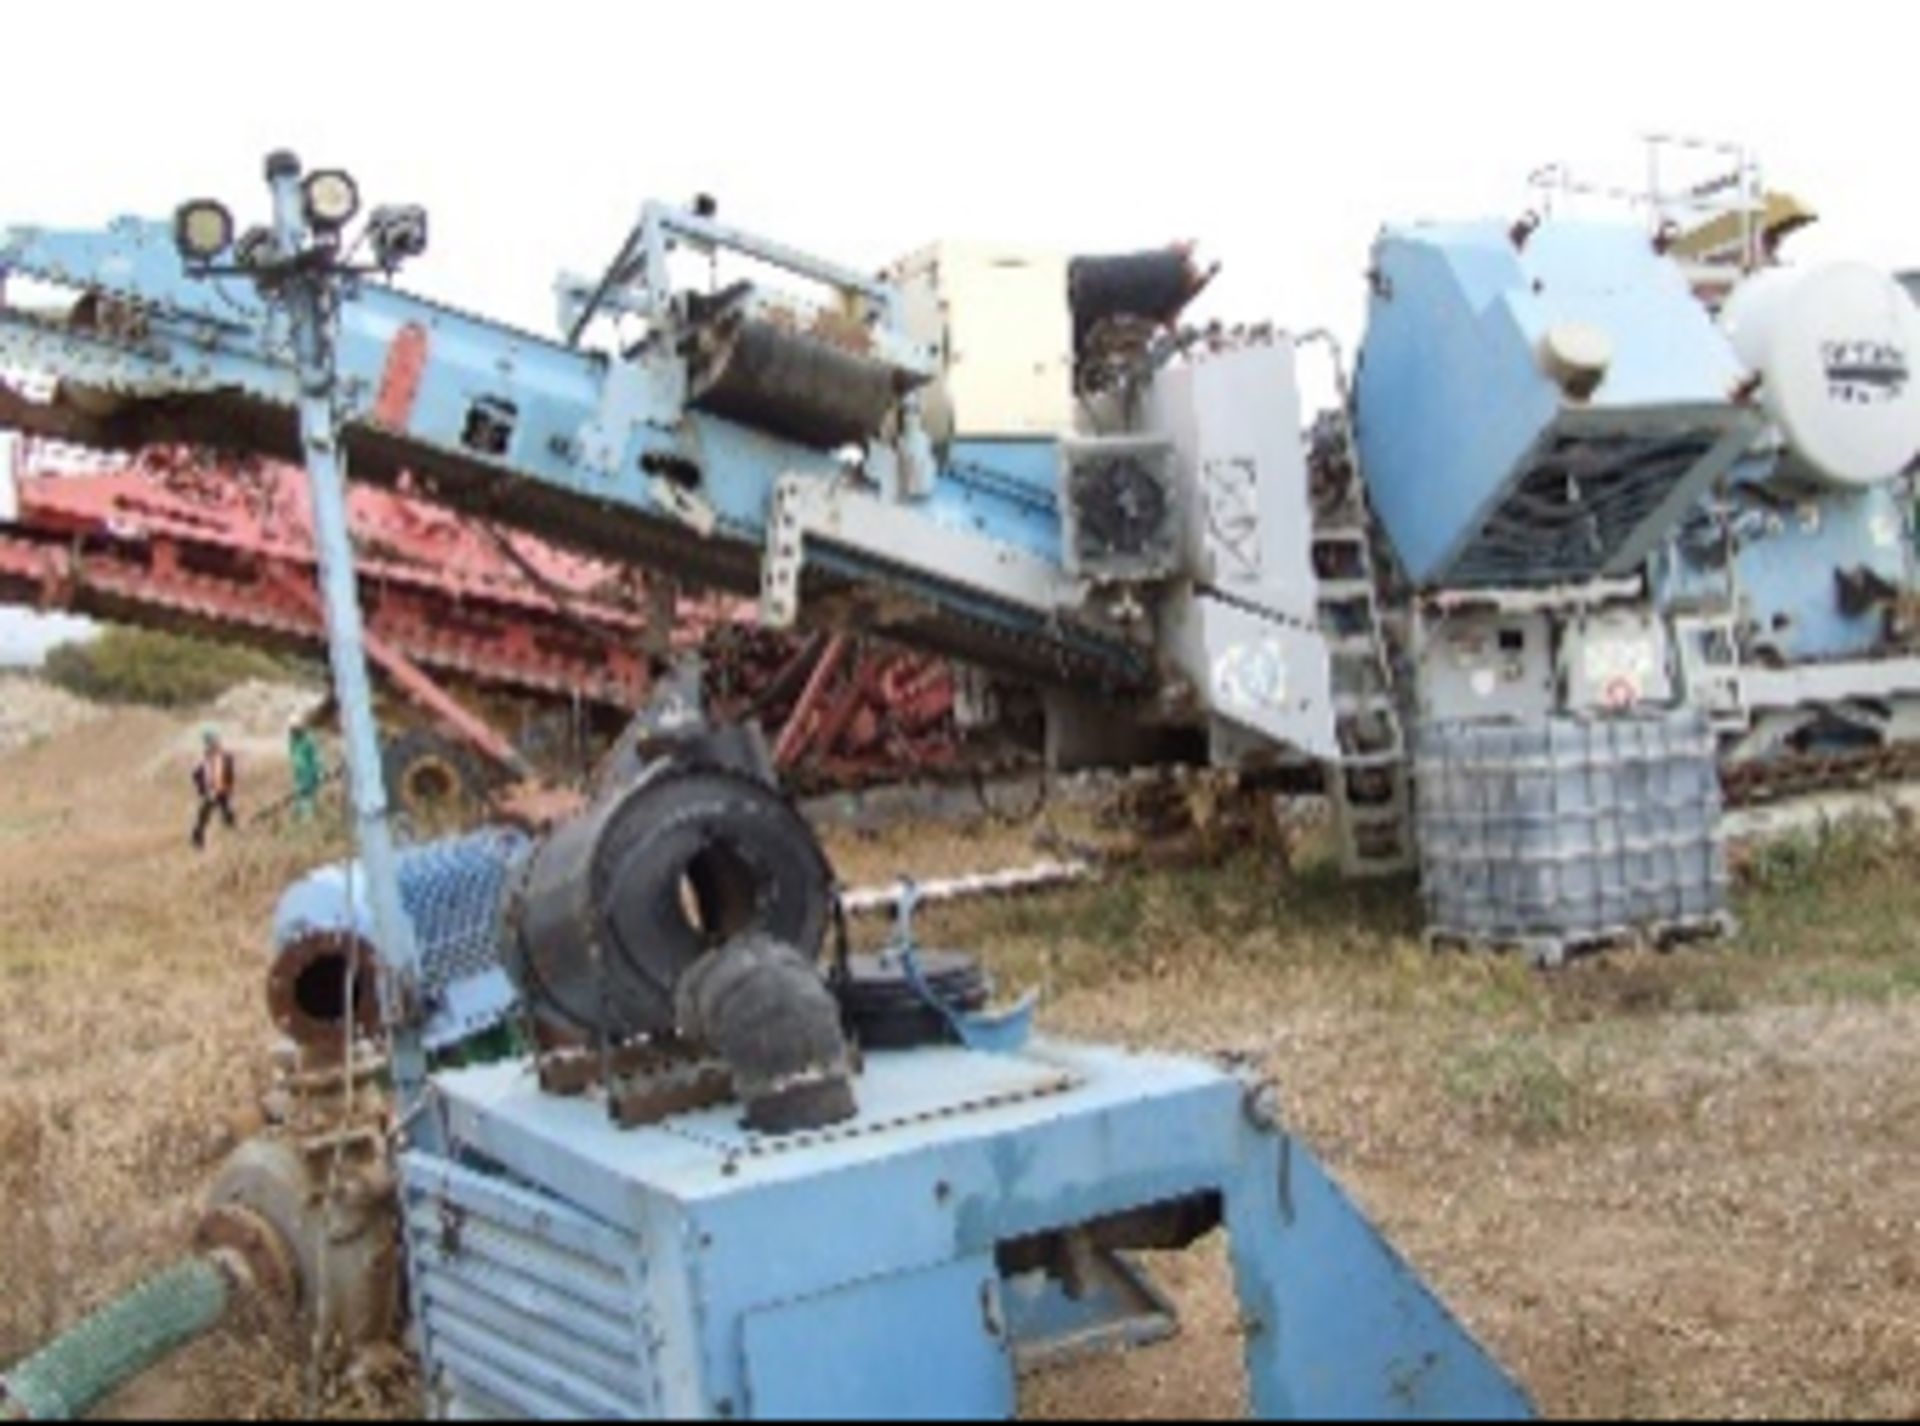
(309, 303)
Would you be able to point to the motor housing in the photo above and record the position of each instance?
(617, 905)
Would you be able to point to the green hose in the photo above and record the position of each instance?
(102, 1354)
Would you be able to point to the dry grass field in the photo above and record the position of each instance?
(1681, 1186)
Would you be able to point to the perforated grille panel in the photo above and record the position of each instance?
(529, 1310)
(1580, 506)
(453, 891)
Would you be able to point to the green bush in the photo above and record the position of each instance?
(153, 670)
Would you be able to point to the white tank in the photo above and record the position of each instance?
(1836, 349)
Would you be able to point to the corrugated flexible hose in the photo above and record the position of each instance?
(100, 1355)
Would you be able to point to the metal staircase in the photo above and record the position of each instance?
(1371, 790)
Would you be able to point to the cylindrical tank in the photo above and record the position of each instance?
(324, 971)
(1834, 348)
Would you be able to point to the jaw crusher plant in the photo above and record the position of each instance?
(1537, 407)
(1012, 458)
(1650, 497)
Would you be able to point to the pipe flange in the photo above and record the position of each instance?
(344, 1262)
(311, 982)
(429, 786)
(271, 1271)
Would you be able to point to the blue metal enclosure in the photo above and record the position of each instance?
(1538, 407)
(1781, 562)
(895, 1266)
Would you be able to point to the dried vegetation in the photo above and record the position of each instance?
(1679, 1186)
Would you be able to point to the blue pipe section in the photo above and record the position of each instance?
(453, 893)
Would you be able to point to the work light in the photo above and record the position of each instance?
(399, 234)
(332, 200)
(202, 230)
(257, 248)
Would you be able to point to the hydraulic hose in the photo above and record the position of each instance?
(764, 1009)
(95, 1358)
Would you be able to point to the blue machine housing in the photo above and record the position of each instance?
(1790, 551)
(563, 1268)
(1485, 469)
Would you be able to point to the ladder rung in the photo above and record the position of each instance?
(1365, 703)
(1370, 762)
(1342, 591)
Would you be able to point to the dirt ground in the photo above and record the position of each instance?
(1680, 1186)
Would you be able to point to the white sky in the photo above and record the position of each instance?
(1281, 136)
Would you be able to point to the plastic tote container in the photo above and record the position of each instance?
(1556, 836)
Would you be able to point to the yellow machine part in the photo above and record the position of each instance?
(1720, 240)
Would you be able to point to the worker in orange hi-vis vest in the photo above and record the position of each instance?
(213, 780)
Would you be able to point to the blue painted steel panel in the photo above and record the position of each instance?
(529, 1308)
(1343, 1327)
(1482, 470)
(826, 1358)
(954, 1155)
(1789, 553)
(1005, 490)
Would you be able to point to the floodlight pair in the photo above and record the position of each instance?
(204, 231)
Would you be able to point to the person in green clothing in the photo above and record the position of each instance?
(303, 752)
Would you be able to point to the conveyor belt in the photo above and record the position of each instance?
(793, 385)
(957, 624)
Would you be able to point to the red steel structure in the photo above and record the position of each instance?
(176, 541)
